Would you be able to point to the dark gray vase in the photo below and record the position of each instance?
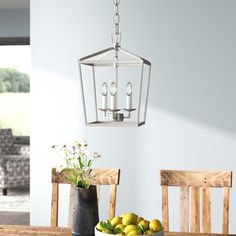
(85, 212)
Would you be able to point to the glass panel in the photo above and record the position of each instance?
(15, 88)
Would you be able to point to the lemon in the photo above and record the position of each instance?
(144, 224)
(155, 225)
(148, 232)
(129, 219)
(129, 228)
(139, 219)
(121, 227)
(116, 221)
(133, 232)
(122, 215)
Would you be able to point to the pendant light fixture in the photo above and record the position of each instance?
(114, 84)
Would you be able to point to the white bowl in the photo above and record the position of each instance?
(98, 233)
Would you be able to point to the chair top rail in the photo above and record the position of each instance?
(196, 178)
(100, 176)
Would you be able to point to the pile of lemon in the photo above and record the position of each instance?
(129, 224)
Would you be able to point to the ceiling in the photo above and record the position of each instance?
(14, 4)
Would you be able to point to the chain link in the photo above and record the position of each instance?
(116, 35)
(116, 2)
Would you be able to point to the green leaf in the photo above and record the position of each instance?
(117, 231)
(139, 229)
(80, 162)
(89, 163)
(107, 225)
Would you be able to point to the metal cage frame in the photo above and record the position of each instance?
(97, 59)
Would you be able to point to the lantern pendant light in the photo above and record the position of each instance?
(114, 84)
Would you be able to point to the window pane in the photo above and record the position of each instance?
(15, 88)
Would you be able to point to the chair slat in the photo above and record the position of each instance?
(112, 201)
(54, 205)
(71, 205)
(196, 178)
(165, 208)
(184, 209)
(195, 210)
(225, 227)
(206, 210)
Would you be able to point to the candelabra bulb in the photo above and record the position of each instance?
(104, 89)
(113, 89)
(129, 89)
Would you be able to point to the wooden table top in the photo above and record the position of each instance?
(9, 230)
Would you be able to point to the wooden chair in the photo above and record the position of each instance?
(195, 181)
(101, 177)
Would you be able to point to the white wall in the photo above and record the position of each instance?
(14, 23)
(191, 116)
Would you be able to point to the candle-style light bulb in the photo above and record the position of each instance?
(104, 89)
(129, 96)
(113, 89)
(113, 92)
(129, 89)
(104, 95)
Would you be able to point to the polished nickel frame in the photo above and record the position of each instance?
(97, 59)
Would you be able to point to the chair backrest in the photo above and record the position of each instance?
(196, 181)
(100, 177)
(6, 141)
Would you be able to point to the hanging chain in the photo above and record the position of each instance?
(116, 35)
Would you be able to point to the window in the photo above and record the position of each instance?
(15, 89)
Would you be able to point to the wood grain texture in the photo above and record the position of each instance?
(194, 234)
(112, 201)
(165, 208)
(196, 178)
(206, 210)
(198, 181)
(225, 227)
(195, 210)
(100, 176)
(10, 230)
(105, 176)
(184, 209)
(54, 205)
(71, 205)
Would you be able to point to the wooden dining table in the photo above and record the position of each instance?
(9, 230)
